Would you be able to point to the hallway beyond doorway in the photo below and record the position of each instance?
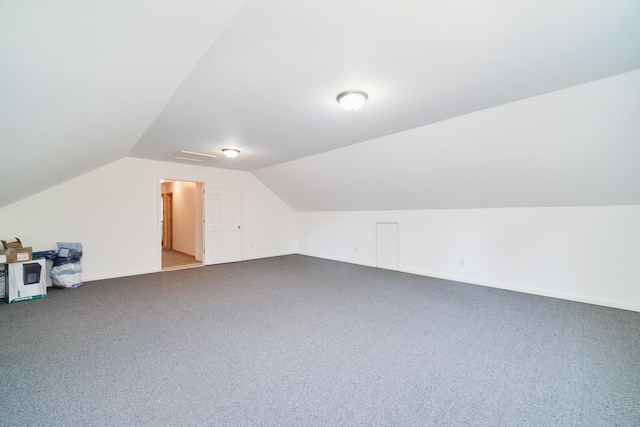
(172, 260)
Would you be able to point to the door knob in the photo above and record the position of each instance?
(238, 227)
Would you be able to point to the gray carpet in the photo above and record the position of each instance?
(301, 341)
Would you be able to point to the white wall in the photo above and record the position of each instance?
(588, 254)
(574, 147)
(114, 211)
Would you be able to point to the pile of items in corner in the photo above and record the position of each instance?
(25, 275)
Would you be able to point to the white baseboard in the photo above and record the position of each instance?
(349, 261)
(534, 291)
(147, 271)
(527, 290)
(266, 255)
(118, 274)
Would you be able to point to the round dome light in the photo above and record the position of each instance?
(231, 152)
(351, 100)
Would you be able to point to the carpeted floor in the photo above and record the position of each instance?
(301, 341)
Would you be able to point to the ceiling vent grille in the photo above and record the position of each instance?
(194, 157)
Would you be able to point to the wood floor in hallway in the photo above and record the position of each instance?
(172, 260)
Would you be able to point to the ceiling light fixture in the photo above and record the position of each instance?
(351, 100)
(231, 152)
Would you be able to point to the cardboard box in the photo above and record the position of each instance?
(25, 281)
(11, 245)
(9, 256)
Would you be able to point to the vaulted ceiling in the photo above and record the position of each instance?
(80, 82)
(86, 83)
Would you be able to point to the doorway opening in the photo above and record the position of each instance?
(181, 215)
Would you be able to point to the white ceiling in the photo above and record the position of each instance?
(80, 81)
(268, 84)
(573, 147)
(83, 84)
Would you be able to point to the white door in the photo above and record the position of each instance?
(222, 223)
(387, 245)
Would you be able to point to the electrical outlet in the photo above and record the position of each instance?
(356, 249)
(461, 263)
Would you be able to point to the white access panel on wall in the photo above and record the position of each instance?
(222, 224)
(387, 245)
